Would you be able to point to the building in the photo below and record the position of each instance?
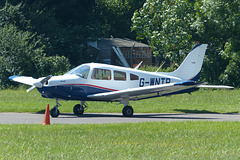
(117, 50)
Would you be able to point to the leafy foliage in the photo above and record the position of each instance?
(172, 26)
(48, 34)
(22, 52)
(217, 23)
(49, 31)
(166, 26)
(115, 16)
(10, 14)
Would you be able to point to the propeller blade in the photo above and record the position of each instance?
(44, 80)
(41, 81)
(30, 89)
(39, 84)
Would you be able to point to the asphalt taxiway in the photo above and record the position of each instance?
(90, 118)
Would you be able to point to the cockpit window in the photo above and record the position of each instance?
(81, 71)
(101, 74)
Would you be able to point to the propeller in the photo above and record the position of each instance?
(39, 84)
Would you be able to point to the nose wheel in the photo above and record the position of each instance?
(54, 112)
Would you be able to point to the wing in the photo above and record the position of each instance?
(23, 79)
(147, 92)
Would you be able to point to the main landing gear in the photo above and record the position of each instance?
(78, 109)
(127, 110)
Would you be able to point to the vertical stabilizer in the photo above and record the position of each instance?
(191, 66)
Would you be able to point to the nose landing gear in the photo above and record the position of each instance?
(54, 112)
(78, 109)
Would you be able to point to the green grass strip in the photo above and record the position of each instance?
(149, 140)
(203, 101)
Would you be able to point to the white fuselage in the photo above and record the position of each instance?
(93, 78)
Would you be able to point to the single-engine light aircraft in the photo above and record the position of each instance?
(102, 82)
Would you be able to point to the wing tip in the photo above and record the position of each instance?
(13, 77)
(216, 86)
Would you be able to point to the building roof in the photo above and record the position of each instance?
(104, 43)
(121, 42)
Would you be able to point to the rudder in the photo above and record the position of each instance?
(192, 64)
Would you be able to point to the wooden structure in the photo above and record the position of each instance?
(133, 51)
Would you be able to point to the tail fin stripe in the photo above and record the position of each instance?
(195, 78)
(197, 45)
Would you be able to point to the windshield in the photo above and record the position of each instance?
(81, 71)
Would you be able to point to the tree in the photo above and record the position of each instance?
(166, 25)
(231, 75)
(10, 14)
(171, 28)
(115, 16)
(64, 25)
(217, 23)
(22, 52)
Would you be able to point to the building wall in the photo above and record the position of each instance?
(138, 54)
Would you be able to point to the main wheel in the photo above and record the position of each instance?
(54, 112)
(78, 109)
(127, 111)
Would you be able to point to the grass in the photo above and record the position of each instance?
(149, 140)
(203, 101)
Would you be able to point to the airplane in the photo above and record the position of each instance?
(103, 82)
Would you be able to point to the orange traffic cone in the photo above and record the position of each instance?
(46, 120)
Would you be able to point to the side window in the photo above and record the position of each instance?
(133, 77)
(101, 74)
(119, 76)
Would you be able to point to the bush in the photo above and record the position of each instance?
(22, 53)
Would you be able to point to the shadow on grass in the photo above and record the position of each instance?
(170, 116)
(41, 112)
(178, 110)
(201, 111)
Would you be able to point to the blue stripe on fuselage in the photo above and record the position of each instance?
(71, 92)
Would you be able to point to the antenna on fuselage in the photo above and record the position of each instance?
(160, 66)
(138, 65)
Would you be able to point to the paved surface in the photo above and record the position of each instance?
(67, 118)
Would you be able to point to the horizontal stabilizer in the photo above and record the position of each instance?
(216, 86)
